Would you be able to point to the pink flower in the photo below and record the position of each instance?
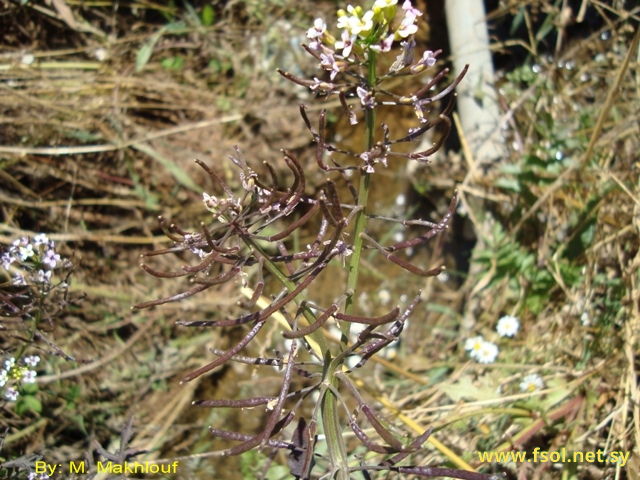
(407, 7)
(346, 43)
(428, 60)
(328, 62)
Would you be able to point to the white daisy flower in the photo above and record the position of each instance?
(508, 326)
(531, 383)
(487, 353)
(473, 345)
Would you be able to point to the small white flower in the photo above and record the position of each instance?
(32, 361)
(443, 277)
(385, 44)
(366, 98)
(384, 297)
(35, 476)
(319, 27)
(357, 25)
(585, 319)
(26, 252)
(41, 239)
(11, 394)
(100, 54)
(473, 344)
(407, 27)
(328, 62)
(428, 60)
(27, 59)
(487, 353)
(29, 376)
(346, 43)
(44, 277)
(9, 364)
(508, 326)
(531, 383)
(3, 378)
(384, 3)
(407, 7)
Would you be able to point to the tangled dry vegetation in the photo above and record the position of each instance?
(104, 109)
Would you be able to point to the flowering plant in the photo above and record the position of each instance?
(34, 293)
(240, 245)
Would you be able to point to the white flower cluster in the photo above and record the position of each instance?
(37, 257)
(484, 351)
(16, 374)
(362, 30)
(37, 476)
(481, 350)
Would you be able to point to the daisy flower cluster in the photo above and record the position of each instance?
(484, 351)
(14, 374)
(481, 350)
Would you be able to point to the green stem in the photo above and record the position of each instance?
(331, 423)
(335, 441)
(363, 196)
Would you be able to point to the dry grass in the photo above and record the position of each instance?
(94, 145)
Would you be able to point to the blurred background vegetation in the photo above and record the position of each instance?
(104, 106)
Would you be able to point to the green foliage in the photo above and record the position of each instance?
(252, 462)
(173, 63)
(28, 401)
(207, 16)
(507, 260)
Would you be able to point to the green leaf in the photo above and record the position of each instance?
(175, 27)
(207, 15)
(508, 184)
(518, 20)
(177, 172)
(510, 168)
(29, 388)
(467, 388)
(28, 403)
(215, 65)
(173, 63)
(144, 54)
